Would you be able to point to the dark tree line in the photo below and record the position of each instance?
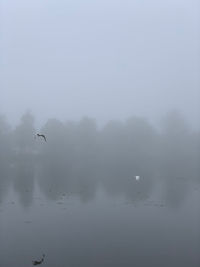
(79, 155)
(131, 146)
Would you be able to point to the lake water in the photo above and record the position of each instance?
(91, 221)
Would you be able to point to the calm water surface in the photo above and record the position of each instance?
(89, 221)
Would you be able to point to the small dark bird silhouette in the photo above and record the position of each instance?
(39, 262)
(43, 136)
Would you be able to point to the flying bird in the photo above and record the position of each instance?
(43, 136)
(39, 262)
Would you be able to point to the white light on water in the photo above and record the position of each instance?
(137, 177)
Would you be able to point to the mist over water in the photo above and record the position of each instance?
(76, 197)
(113, 86)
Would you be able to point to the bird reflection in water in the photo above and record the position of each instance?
(39, 262)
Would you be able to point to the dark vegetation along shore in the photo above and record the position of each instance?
(79, 155)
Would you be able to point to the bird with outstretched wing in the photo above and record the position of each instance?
(43, 136)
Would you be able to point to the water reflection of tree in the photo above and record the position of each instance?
(56, 181)
(5, 181)
(24, 179)
(77, 156)
(5, 156)
(67, 160)
(127, 150)
(177, 155)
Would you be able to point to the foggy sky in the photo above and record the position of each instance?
(105, 58)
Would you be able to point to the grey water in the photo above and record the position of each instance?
(127, 194)
(87, 219)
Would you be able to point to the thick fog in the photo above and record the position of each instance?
(112, 87)
(102, 59)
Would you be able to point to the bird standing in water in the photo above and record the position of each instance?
(137, 177)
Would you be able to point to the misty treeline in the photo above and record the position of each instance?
(78, 155)
(134, 146)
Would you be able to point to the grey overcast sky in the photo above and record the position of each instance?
(108, 59)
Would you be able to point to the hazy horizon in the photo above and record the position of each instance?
(113, 86)
(102, 59)
(156, 124)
